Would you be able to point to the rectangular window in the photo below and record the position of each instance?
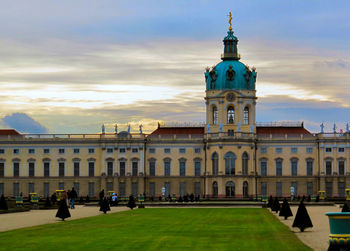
(152, 189)
(263, 189)
(152, 150)
(134, 189)
(309, 150)
(263, 150)
(91, 189)
(134, 150)
(182, 188)
(46, 150)
(77, 187)
(109, 186)
(309, 187)
(278, 150)
(278, 167)
(2, 169)
(110, 150)
(15, 169)
(61, 186)
(341, 167)
(263, 167)
(46, 189)
(328, 149)
(197, 188)
(15, 151)
(295, 185)
(230, 133)
(182, 150)
(121, 150)
(46, 169)
(166, 150)
(134, 168)
(61, 151)
(341, 189)
(294, 167)
(110, 168)
(309, 167)
(122, 168)
(2, 191)
(91, 169)
(197, 150)
(152, 168)
(15, 189)
(31, 167)
(279, 189)
(341, 149)
(294, 150)
(328, 167)
(166, 168)
(122, 188)
(76, 169)
(197, 168)
(2, 151)
(61, 169)
(329, 189)
(167, 188)
(76, 150)
(182, 168)
(30, 187)
(91, 150)
(31, 151)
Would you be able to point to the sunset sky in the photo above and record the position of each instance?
(71, 66)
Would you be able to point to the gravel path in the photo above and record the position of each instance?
(38, 217)
(316, 237)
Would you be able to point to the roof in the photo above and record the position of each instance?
(281, 130)
(9, 132)
(178, 130)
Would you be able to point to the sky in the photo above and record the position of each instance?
(71, 66)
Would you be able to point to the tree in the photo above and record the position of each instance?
(285, 210)
(302, 219)
(131, 202)
(3, 203)
(104, 205)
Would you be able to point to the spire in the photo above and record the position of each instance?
(230, 44)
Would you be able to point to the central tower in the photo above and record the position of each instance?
(230, 93)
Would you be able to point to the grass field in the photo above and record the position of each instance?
(164, 228)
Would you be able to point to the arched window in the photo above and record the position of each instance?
(245, 189)
(215, 189)
(215, 163)
(246, 116)
(244, 163)
(230, 165)
(230, 115)
(230, 189)
(215, 115)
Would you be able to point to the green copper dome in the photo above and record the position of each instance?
(230, 73)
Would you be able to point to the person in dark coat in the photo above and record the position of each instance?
(73, 197)
(317, 198)
(285, 209)
(104, 205)
(345, 208)
(47, 202)
(63, 211)
(87, 199)
(102, 195)
(308, 198)
(270, 203)
(131, 202)
(180, 199)
(53, 198)
(276, 205)
(81, 200)
(3, 203)
(186, 198)
(192, 197)
(302, 219)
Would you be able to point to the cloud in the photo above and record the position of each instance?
(23, 123)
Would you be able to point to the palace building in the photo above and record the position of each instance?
(231, 156)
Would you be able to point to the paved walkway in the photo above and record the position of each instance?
(316, 237)
(39, 217)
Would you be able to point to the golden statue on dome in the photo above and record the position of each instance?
(229, 20)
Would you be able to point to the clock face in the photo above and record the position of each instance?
(230, 97)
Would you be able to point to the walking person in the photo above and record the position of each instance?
(102, 195)
(73, 197)
(63, 211)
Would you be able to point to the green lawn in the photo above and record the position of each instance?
(164, 228)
